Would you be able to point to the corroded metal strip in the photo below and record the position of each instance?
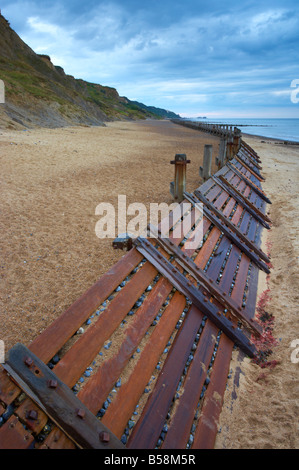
(249, 182)
(244, 154)
(202, 302)
(199, 275)
(232, 232)
(234, 193)
(58, 401)
(249, 168)
(249, 149)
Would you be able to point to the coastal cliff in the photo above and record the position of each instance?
(38, 93)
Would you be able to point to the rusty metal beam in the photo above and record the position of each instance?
(231, 226)
(235, 194)
(58, 401)
(243, 153)
(249, 183)
(207, 283)
(179, 281)
(249, 168)
(230, 231)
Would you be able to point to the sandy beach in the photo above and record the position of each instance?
(51, 182)
(261, 405)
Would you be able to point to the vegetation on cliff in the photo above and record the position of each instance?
(38, 93)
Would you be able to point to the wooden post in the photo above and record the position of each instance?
(205, 171)
(220, 160)
(229, 147)
(178, 186)
(236, 140)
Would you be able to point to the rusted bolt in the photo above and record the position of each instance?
(32, 414)
(28, 361)
(81, 413)
(52, 383)
(104, 437)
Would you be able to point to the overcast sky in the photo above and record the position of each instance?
(210, 58)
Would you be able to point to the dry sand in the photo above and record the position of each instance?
(261, 405)
(52, 181)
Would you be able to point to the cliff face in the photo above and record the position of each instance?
(38, 93)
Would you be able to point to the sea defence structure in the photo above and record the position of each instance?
(141, 359)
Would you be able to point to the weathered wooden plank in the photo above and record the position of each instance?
(197, 297)
(205, 280)
(57, 440)
(249, 182)
(241, 199)
(30, 414)
(201, 261)
(206, 431)
(100, 384)
(179, 428)
(147, 430)
(76, 359)
(14, 436)
(8, 389)
(238, 239)
(209, 209)
(128, 396)
(214, 193)
(244, 155)
(58, 401)
(48, 343)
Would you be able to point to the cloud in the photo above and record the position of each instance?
(170, 53)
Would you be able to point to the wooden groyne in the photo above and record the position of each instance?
(230, 138)
(141, 359)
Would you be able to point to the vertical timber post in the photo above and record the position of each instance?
(178, 186)
(220, 160)
(236, 140)
(205, 171)
(229, 148)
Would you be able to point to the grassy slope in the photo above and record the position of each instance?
(36, 88)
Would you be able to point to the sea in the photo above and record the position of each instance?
(283, 129)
